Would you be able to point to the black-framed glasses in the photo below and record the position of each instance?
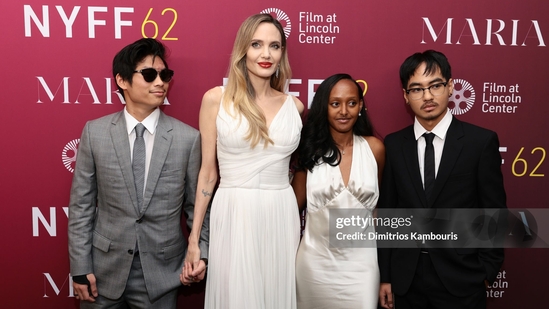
(435, 89)
(150, 74)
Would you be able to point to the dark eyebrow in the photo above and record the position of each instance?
(355, 98)
(436, 80)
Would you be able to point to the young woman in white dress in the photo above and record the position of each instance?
(249, 130)
(339, 163)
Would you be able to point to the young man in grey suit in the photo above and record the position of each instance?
(136, 170)
(462, 169)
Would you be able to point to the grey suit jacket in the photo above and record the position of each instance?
(105, 223)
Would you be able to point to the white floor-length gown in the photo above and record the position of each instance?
(254, 223)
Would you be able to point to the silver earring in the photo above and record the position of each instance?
(359, 114)
(277, 69)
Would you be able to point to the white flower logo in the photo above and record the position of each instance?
(463, 97)
(282, 18)
(69, 154)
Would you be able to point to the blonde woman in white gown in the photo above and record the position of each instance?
(249, 130)
(338, 168)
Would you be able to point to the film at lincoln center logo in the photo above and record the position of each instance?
(282, 18)
(69, 154)
(462, 98)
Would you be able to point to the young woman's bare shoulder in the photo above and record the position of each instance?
(212, 97)
(376, 145)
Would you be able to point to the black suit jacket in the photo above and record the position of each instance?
(469, 176)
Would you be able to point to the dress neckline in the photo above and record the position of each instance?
(355, 144)
(277, 113)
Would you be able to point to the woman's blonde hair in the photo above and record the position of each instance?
(239, 89)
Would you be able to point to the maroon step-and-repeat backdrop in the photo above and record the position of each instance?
(57, 75)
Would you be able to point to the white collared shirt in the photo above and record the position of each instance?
(150, 124)
(440, 131)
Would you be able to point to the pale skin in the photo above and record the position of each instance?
(343, 109)
(429, 111)
(142, 98)
(262, 59)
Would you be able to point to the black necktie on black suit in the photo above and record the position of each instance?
(429, 165)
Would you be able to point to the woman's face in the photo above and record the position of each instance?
(264, 52)
(344, 105)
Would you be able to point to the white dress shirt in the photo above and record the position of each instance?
(440, 131)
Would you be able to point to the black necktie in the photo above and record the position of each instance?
(138, 163)
(429, 166)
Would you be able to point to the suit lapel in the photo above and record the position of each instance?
(162, 142)
(119, 135)
(409, 146)
(450, 154)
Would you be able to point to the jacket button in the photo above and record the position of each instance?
(130, 251)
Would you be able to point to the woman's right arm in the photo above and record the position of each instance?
(207, 177)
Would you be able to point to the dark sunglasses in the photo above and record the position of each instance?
(150, 74)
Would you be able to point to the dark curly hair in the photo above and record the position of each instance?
(316, 144)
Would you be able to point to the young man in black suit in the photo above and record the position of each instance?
(465, 173)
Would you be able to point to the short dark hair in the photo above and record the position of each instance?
(317, 144)
(433, 60)
(126, 60)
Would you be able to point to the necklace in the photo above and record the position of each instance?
(342, 150)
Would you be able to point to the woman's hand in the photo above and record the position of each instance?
(194, 268)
